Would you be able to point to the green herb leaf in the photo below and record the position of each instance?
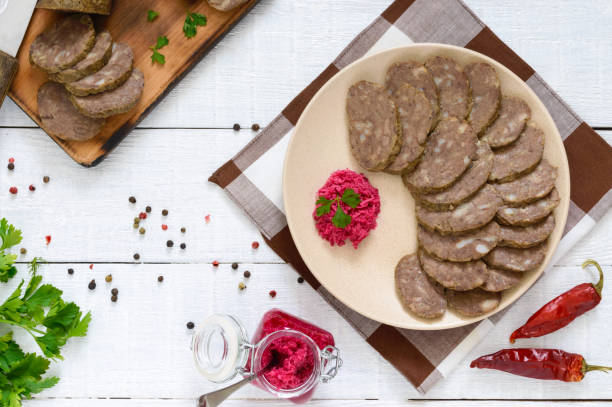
(158, 58)
(152, 15)
(162, 41)
(341, 219)
(9, 235)
(325, 206)
(192, 21)
(198, 19)
(351, 198)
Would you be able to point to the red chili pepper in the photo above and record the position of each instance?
(562, 310)
(544, 364)
(48, 239)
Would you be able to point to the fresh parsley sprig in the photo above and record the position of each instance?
(157, 56)
(152, 15)
(340, 219)
(192, 22)
(10, 237)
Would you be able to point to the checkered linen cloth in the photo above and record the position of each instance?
(253, 177)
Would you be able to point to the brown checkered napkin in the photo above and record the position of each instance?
(253, 177)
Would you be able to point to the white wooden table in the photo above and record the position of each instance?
(137, 351)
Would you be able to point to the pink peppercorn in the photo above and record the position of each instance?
(142, 215)
(11, 160)
(32, 188)
(215, 263)
(13, 190)
(207, 218)
(255, 245)
(164, 227)
(91, 266)
(272, 293)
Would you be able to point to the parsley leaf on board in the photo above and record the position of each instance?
(157, 56)
(192, 22)
(341, 219)
(351, 198)
(152, 15)
(9, 235)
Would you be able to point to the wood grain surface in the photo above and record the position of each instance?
(128, 23)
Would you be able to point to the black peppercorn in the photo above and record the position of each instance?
(183, 230)
(11, 166)
(165, 212)
(160, 278)
(148, 209)
(190, 325)
(23, 250)
(114, 291)
(300, 280)
(183, 246)
(236, 126)
(169, 243)
(255, 127)
(92, 285)
(246, 274)
(46, 179)
(114, 298)
(132, 199)
(71, 271)
(234, 266)
(136, 256)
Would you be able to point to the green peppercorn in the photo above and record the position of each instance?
(108, 278)
(241, 286)
(115, 292)
(23, 250)
(136, 225)
(234, 266)
(92, 285)
(136, 220)
(132, 200)
(246, 274)
(190, 325)
(142, 231)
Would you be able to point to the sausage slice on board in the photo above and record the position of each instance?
(456, 276)
(116, 101)
(514, 114)
(469, 183)
(473, 303)
(416, 292)
(94, 61)
(520, 157)
(518, 260)
(486, 95)
(470, 215)
(523, 237)
(448, 154)
(415, 117)
(415, 74)
(60, 118)
(468, 247)
(374, 131)
(530, 187)
(64, 44)
(111, 76)
(453, 87)
(499, 280)
(530, 213)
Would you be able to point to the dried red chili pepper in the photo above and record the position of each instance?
(563, 309)
(544, 364)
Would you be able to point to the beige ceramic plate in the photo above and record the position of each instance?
(363, 279)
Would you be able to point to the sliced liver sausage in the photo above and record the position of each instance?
(111, 76)
(94, 61)
(514, 114)
(448, 154)
(60, 118)
(117, 101)
(374, 132)
(64, 44)
(530, 187)
(499, 280)
(530, 213)
(456, 276)
(486, 95)
(519, 158)
(453, 87)
(527, 236)
(473, 303)
(416, 292)
(518, 260)
(468, 247)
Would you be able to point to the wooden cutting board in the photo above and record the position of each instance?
(128, 23)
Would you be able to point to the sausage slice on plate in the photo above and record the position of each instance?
(448, 154)
(473, 303)
(456, 276)
(523, 237)
(468, 247)
(374, 131)
(64, 44)
(416, 292)
(453, 87)
(499, 280)
(530, 213)
(514, 114)
(530, 187)
(486, 95)
(518, 260)
(519, 158)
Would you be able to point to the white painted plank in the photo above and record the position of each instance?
(86, 211)
(282, 45)
(314, 403)
(139, 346)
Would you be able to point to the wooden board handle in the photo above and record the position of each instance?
(8, 69)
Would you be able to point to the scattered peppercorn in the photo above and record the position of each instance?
(114, 298)
(91, 266)
(142, 215)
(142, 231)
(132, 199)
(300, 280)
(11, 160)
(71, 271)
(92, 285)
(136, 219)
(136, 256)
(115, 292)
(183, 230)
(169, 243)
(234, 266)
(215, 263)
(236, 126)
(272, 293)
(32, 188)
(160, 278)
(183, 246)
(148, 209)
(165, 212)
(13, 190)
(48, 239)
(241, 286)
(190, 325)
(207, 218)
(164, 227)
(46, 179)
(255, 127)
(11, 166)
(255, 245)
(246, 274)
(136, 225)
(23, 250)
(108, 278)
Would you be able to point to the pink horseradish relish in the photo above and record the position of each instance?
(363, 217)
(293, 360)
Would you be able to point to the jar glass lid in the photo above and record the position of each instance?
(219, 347)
